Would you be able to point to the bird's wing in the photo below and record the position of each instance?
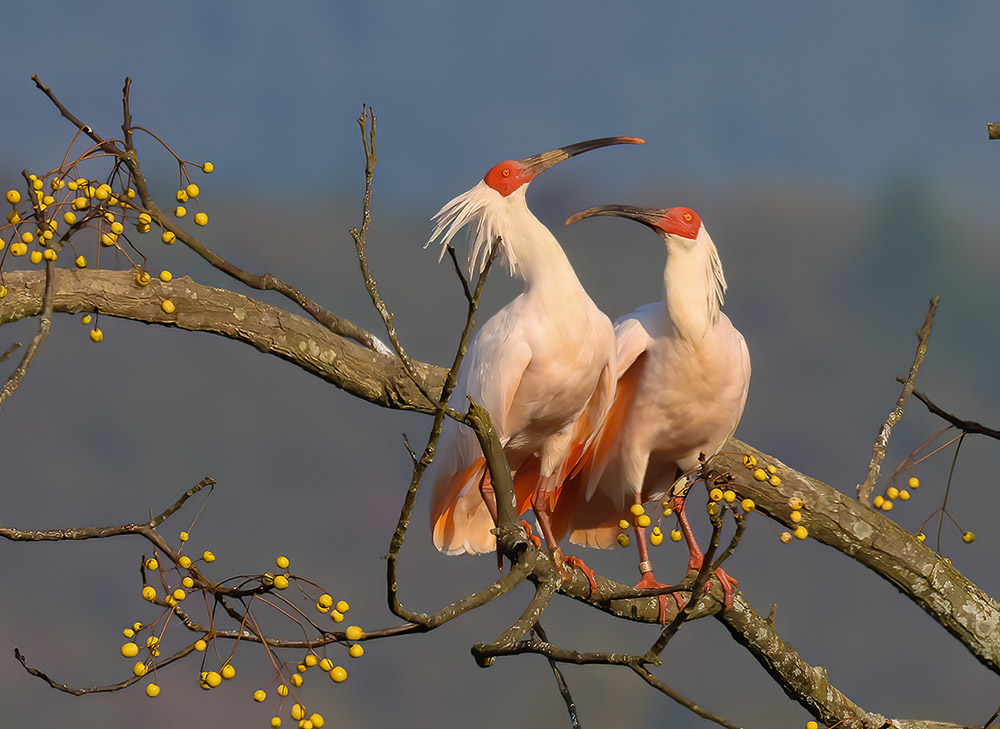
(632, 339)
(460, 521)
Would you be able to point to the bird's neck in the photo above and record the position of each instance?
(694, 286)
(540, 260)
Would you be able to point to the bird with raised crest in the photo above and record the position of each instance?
(543, 366)
(682, 381)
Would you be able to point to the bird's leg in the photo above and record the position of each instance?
(646, 567)
(543, 512)
(697, 558)
(490, 499)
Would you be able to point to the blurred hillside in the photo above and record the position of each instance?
(828, 290)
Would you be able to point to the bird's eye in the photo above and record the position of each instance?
(688, 217)
(506, 172)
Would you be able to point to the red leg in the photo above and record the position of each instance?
(646, 568)
(697, 558)
(531, 534)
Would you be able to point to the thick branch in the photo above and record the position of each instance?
(306, 344)
(878, 543)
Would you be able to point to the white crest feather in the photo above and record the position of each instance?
(486, 213)
(716, 281)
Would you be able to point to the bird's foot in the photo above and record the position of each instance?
(648, 582)
(729, 584)
(534, 540)
(587, 572)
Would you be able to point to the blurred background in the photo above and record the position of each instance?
(838, 155)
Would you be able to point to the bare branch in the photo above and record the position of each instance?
(882, 441)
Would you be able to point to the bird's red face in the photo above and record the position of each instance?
(683, 222)
(508, 176)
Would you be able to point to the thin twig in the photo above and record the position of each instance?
(967, 426)
(563, 687)
(44, 325)
(684, 701)
(882, 441)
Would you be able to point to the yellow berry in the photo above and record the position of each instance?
(149, 593)
(81, 203)
(801, 532)
(166, 276)
(184, 561)
(878, 501)
(184, 536)
(36, 256)
(772, 468)
(913, 483)
(921, 536)
(785, 537)
(887, 505)
(27, 237)
(152, 690)
(69, 218)
(342, 606)
(13, 197)
(968, 537)
(760, 474)
(208, 556)
(96, 335)
(623, 524)
(180, 211)
(310, 660)
(326, 665)
(259, 695)
(228, 671)
(748, 504)
(623, 540)
(302, 668)
(637, 509)
(179, 594)
(209, 680)
(774, 481)
(168, 237)
(108, 239)
(275, 722)
(325, 600)
(280, 582)
(187, 582)
(729, 495)
(81, 262)
(338, 674)
(128, 632)
(795, 503)
(796, 517)
(337, 616)
(904, 495)
(715, 494)
(130, 650)
(667, 510)
(3, 292)
(892, 492)
(282, 690)
(102, 193)
(812, 725)
(642, 520)
(192, 190)
(168, 306)
(152, 564)
(142, 278)
(713, 508)
(676, 535)
(317, 721)
(656, 539)
(297, 679)
(181, 196)
(749, 461)
(356, 650)
(282, 562)
(152, 641)
(13, 217)
(117, 228)
(145, 218)
(298, 711)
(140, 669)
(207, 168)
(201, 219)
(130, 193)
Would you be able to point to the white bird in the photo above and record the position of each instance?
(683, 376)
(543, 366)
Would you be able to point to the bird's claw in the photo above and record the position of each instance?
(587, 572)
(648, 582)
(534, 540)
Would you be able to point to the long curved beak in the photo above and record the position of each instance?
(538, 163)
(647, 216)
